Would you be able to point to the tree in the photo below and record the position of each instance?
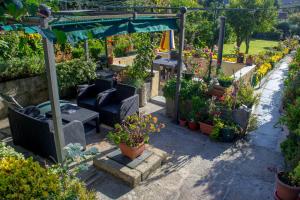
(260, 17)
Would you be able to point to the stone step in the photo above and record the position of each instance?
(158, 100)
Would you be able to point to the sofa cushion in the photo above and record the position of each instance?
(111, 108)
(31, 111)
(89, 103)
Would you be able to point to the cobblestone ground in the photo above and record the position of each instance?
(201, 169)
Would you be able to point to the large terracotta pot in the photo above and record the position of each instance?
(284, 191)
(132, 152)
(206, 128)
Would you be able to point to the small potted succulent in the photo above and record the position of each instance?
(133, 133)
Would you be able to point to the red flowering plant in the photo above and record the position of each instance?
(135, 130)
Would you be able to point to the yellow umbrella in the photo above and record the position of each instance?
(167, 42)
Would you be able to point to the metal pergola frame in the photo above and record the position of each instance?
(49, 57)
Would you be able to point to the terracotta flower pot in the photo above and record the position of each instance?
(193, 125)
(206, 128)
(284, 191)
(132, 152)
(182, 122)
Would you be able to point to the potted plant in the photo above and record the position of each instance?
(249, 60)
(192, 123)
(240, 57)
(229, 132)
(224, 80)
(215, 131)
(182, 115)
(288, 184)
(207, 118)
(206, 124)
(133, 133)
(216, 91)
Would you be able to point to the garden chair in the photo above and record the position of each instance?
(87, 94)
(115, 104)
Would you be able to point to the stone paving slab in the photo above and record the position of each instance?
(129, 175)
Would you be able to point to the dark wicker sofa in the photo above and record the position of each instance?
(35, 132)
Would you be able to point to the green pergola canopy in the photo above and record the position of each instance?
(75, 31)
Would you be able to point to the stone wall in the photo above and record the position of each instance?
(27, 91)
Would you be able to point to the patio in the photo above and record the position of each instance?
(198, 168)
(226, 126)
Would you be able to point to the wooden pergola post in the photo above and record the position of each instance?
(86, 50)
(183, 11)
(53, 93)
(221, 43)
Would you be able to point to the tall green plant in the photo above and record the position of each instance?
(143, 61)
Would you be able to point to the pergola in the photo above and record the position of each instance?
(80, 25)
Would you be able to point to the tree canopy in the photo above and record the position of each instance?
(260, 17)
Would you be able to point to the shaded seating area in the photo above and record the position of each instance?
(113, 104)
(88, 95)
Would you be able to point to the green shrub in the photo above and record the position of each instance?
(74, 72)
(292, 117)
(26, 179)
(188, 89)
(21, 67)
(96, 47)
(291, 151)
(169, 89)
(77, 52)
(121, 44)
(294, 176)
(7, 151)
(246, 96)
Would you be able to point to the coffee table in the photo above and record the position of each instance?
(71, 112)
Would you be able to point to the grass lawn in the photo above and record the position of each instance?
(256, 46)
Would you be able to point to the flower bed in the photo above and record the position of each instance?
(288, 181)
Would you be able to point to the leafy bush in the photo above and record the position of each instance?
(96, 47)
(7, 151)
(77, 52)
(26, 179)
(122, 43)
(246, 96)
(21, 67)
(74, 72)
(291, 117)
(188, 89)
(169, 89)
(142, 62)
(291, 151)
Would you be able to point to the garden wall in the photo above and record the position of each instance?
(27, 91)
